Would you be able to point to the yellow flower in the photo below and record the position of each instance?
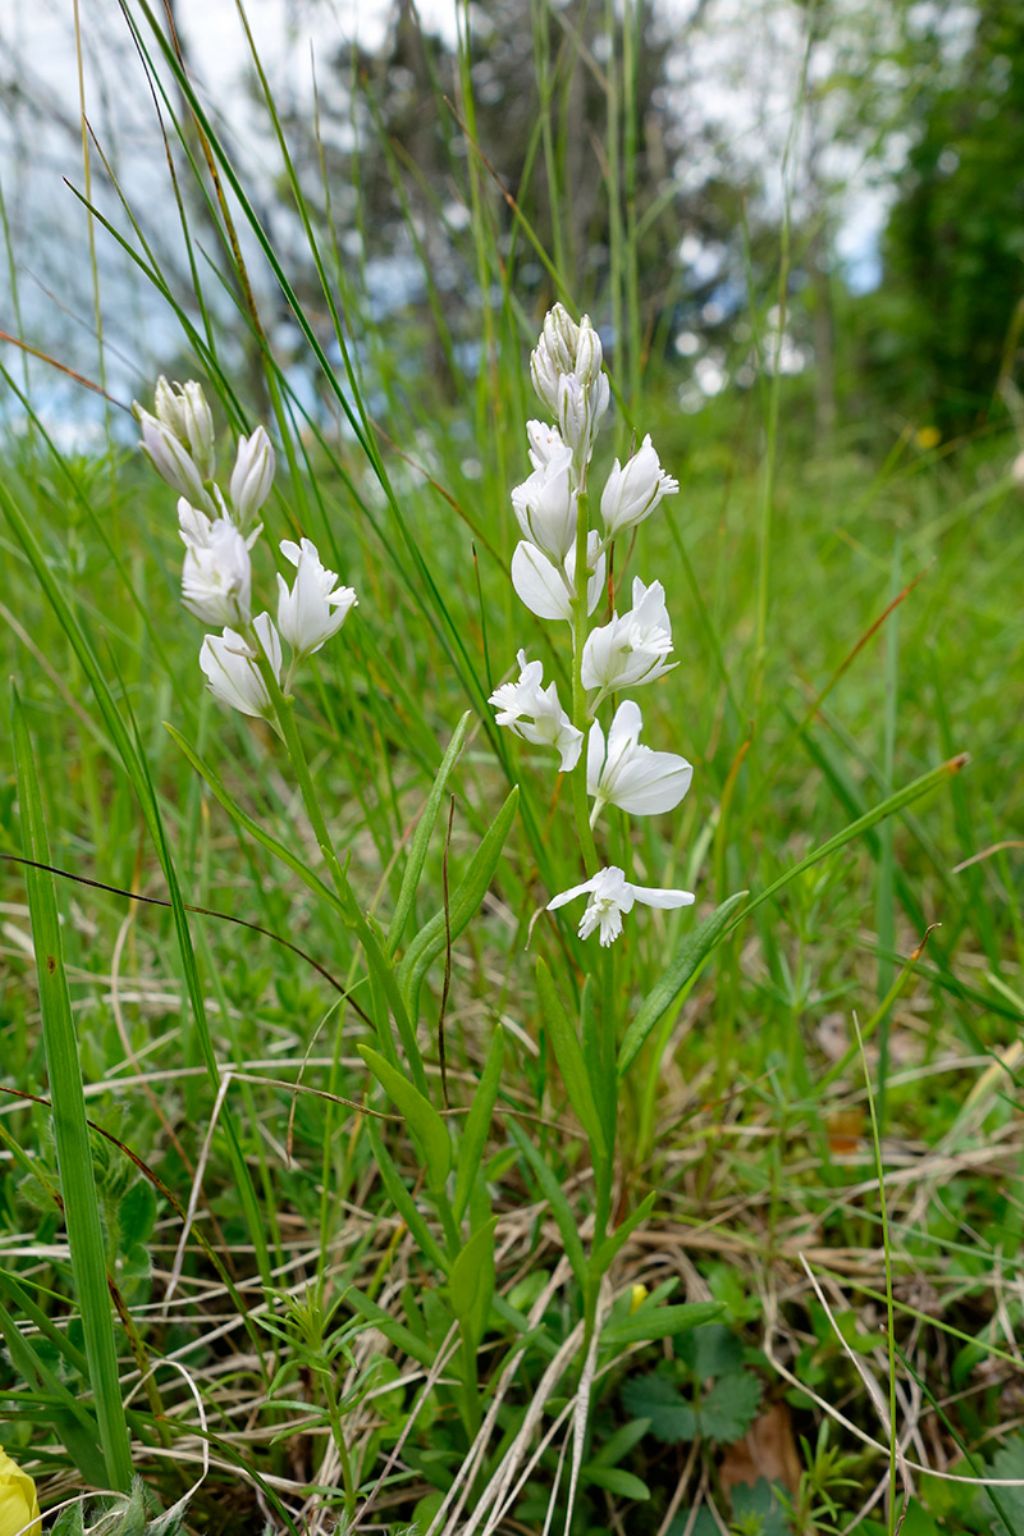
(638, 1294)
(927, 437)
(19, 1507)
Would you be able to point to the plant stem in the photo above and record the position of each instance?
(580, 713)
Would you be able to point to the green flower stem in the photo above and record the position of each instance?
(284, 709)
(580, 712)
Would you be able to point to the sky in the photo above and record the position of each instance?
(740, 74)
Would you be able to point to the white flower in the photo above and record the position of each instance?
(561, 337)
(216, 580)
(545, 505)
(185, 410)
(170, 458)
(534, 713)
(252, 476)
(545, 443)
(632, 649)
(1016, 468)
(621, 772)
(632, 493)
(316, 607)
(611, 894)
(230, 664)
(579, 410)
(547, 589)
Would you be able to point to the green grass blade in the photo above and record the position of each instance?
(74, 1154)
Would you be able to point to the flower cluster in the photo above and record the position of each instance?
(630, 649)
(218, 532)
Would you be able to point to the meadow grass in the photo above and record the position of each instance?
(341, 1307)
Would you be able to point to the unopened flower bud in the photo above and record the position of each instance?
(545, 375)
(561, 336)
(252, 476)
(170, 458)
(185, 409)
(589, 353)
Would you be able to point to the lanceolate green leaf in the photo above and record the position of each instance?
(888, 807)
(478, 1122)
(465, 903)
(429, 1130)
(569, 1055)
(660, 1322)
(471, 1282)
(682, 970)
(553, 1193)
(71, 1132)
(421, 841)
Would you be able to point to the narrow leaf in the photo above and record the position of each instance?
(428, 1129)
(682, 971)
(478, 1122)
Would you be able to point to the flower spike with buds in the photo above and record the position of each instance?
(633, 649)
(534, 713)
(316, 607)
(633, 491)
(611, 895)
(231, 665)
(252, 476)
(622, 772)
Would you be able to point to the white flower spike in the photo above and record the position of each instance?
(216, 580)
(316, 607)
(633, 649)
(252, 476)
(611, 895)
(534, 713)
(230, 664)
(545, 505)
(622, 772)
(633, 491)
(185, 410)
(547, 589)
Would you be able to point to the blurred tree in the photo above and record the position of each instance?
(954, 246)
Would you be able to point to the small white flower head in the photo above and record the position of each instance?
(633, 649)
(547, 589)
(545, 505)
(252, 476)
(316, 607)
(621, 772)
(545, 443)
(611, 894)
(633, 491)
(170, 458)
(185, 410)
(1016, 469)
(216, 580)
(534, 713)
(579, 411)
(230, 663)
